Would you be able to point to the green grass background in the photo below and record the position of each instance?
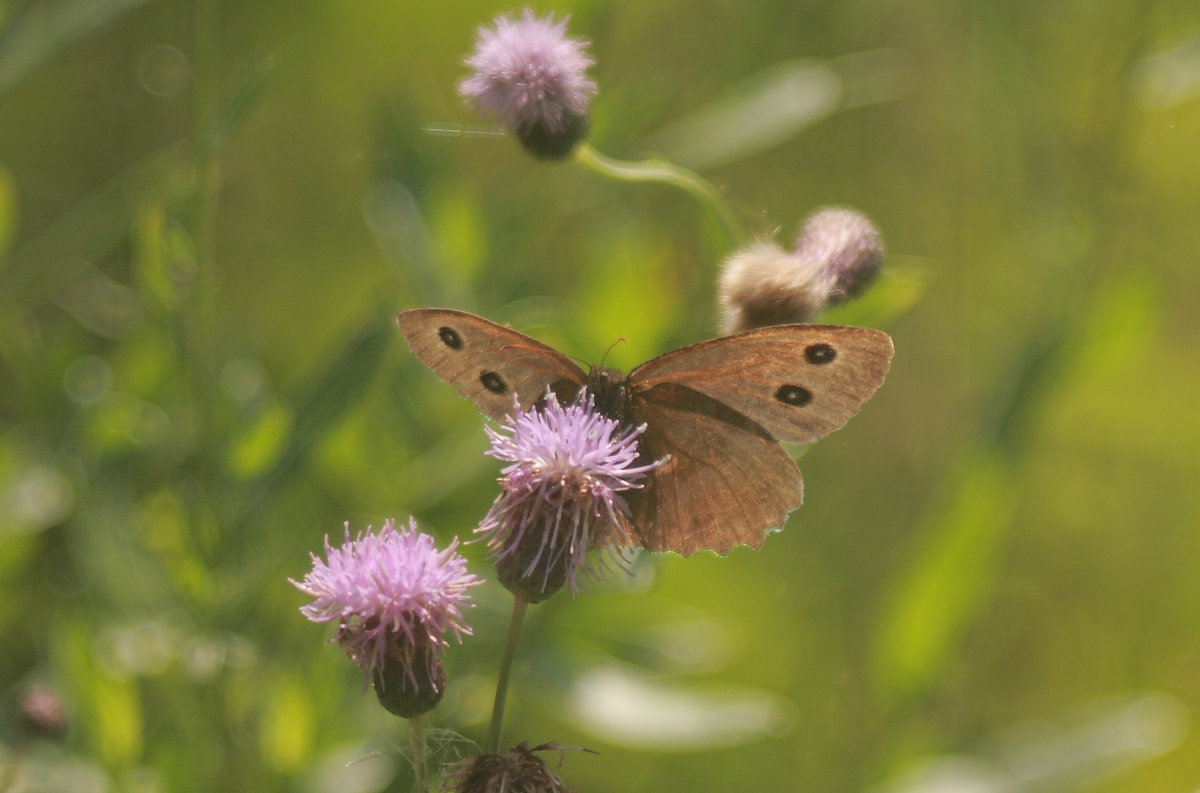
(210, 213)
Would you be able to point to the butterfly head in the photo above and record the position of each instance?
(610, 390)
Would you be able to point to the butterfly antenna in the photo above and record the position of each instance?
(610, 349)
(583, 362)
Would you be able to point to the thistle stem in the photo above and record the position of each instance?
(202, 322)
(420, 754)
(658, 170)
(520, 604)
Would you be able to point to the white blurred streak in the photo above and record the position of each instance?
(392, 214)
(351, 769)
(759, 112)
(37, 497)
(1086, 746)
(1171, 75)
(100, 304)
(873, 76)
(152, 647)
(777, 103)
(51, 769)
(691, 646)
(623, 707)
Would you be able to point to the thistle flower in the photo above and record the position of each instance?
(518, 771)
(395, 597)
(560, 495)
(531, 76)
(42, 712)
(837, 254)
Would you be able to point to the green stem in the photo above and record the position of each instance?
(420, 754)
(658, 170)
(520, 604)
(204, 121)
(201, 323)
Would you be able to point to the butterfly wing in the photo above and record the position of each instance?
(723, 482)
(798, 382)
(713, 410)
(486, 362)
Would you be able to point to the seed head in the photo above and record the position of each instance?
(518, 771)
(838, 253)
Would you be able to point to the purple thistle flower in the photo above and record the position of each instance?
(395, 597)
(531, 76)
(560, 495)
(838, 253)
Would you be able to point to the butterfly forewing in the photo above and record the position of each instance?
(722, 482)
(712, 412)
(486, 362)
(799, 382)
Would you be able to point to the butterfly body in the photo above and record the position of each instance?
(610, 393)
(713, 412)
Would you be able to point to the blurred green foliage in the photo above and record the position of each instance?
(210, 212)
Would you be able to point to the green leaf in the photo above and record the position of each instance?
(8, 210)
(951, 576)
(898, 288)
(47, 28)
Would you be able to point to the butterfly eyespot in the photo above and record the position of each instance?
(794, 395)
(819, 353)
(493, 382)
(450, 338)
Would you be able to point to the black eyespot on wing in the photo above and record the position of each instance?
(450, 337)
(493, 382)
(795, 395)
(819, 353)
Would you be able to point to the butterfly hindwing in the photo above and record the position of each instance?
(723, 481)
(486, 362)
(712, 411)
(799, 382)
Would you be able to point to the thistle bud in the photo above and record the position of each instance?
(410, 680)
(838, 253)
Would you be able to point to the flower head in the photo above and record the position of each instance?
(560, 494)
(42, 712)
(395, 597)
(838, 253)
(531, 76)
(518, 771)
(846, 246)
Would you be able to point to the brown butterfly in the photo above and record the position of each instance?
(713, 412)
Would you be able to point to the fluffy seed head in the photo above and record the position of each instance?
(765, 285)
(838, 253)
(846, 246)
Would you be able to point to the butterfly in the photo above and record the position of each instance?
(713, 411)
